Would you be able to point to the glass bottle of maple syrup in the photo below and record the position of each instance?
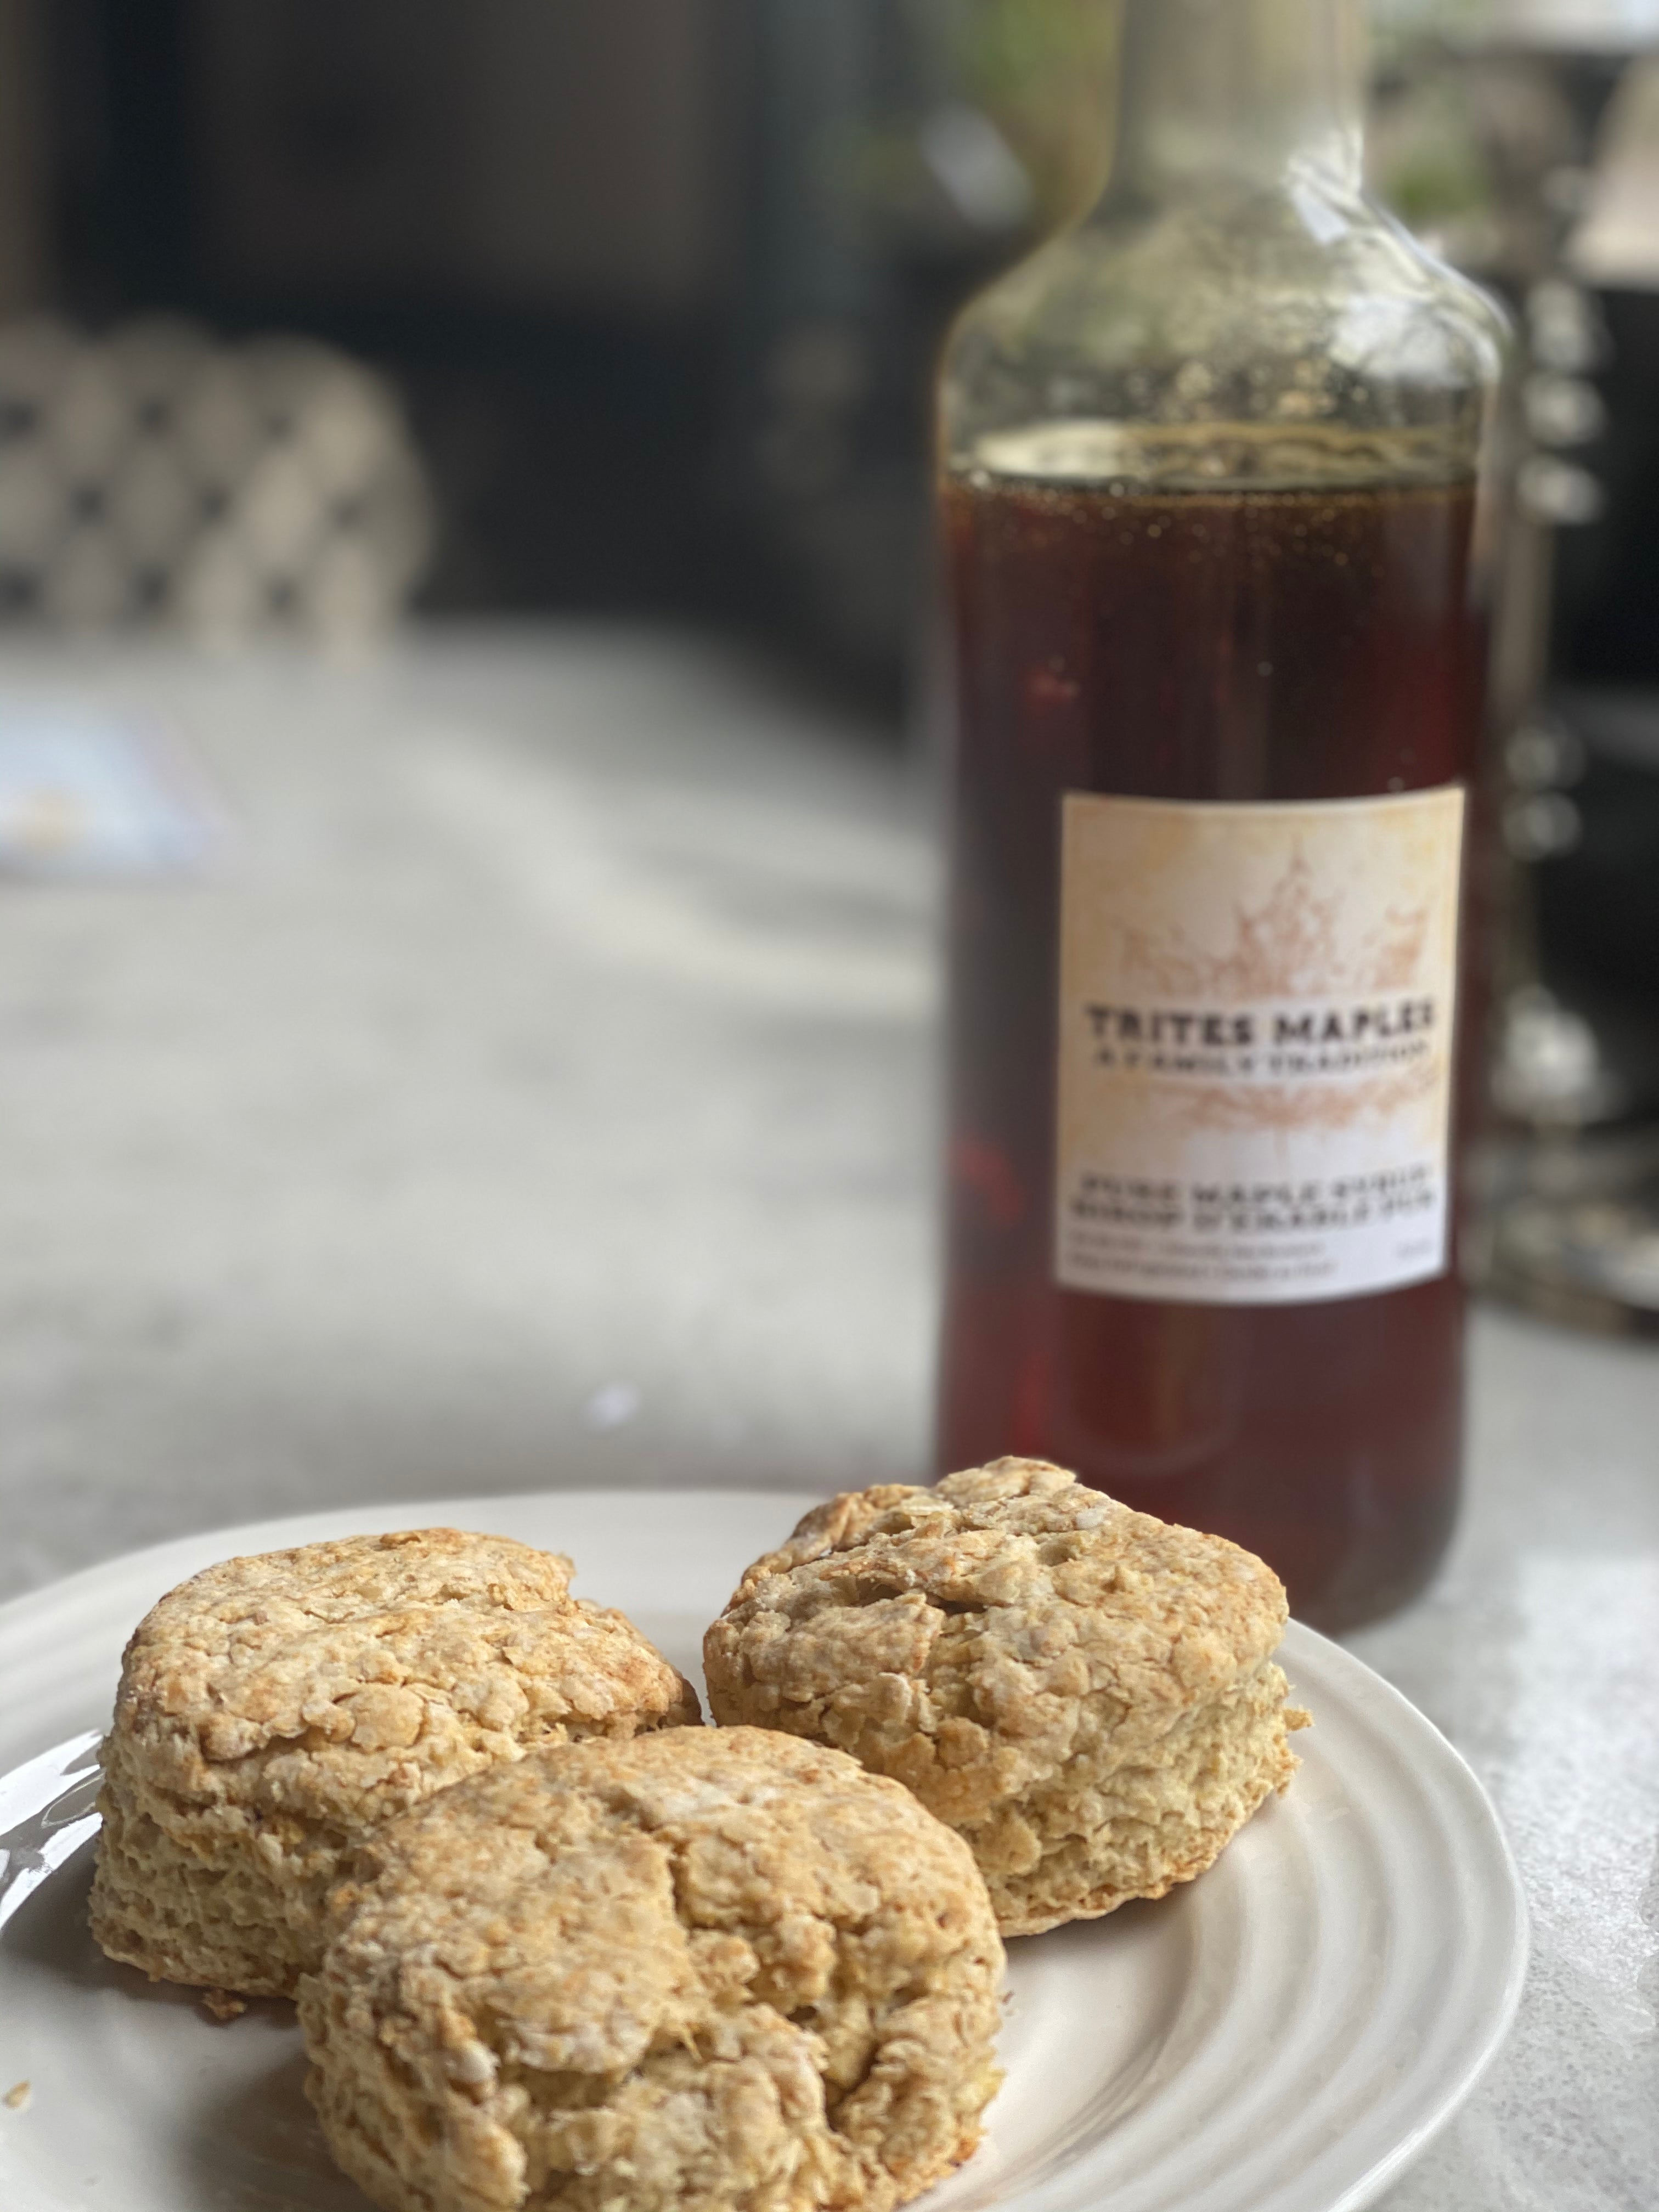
(1211, 490)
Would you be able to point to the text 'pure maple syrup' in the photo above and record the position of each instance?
(1252, 650)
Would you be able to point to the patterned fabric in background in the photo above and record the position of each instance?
(155, 475)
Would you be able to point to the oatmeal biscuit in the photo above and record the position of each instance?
(274, 1710)
(1086, 1694)
(702, 1971)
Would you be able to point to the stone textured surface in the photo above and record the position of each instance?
(711, 1971)
(533, 1095)
(540, 1095)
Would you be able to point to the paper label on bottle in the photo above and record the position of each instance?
(1255, 1046)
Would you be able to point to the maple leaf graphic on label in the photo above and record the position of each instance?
(1291, 946)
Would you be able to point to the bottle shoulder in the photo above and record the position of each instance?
(1287, 310)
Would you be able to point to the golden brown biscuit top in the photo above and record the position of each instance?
(589, 1904)
(311, 1680)
(997, 1602)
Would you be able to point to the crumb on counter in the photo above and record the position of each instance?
(16, 2099)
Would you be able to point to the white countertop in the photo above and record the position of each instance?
(539, 1091)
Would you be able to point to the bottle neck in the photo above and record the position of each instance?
(1216, 97)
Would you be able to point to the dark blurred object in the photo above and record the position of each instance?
(24, 243)
(519, 210)
(1575, 1232)
(1606, 631)
(903, 152)
(824, 407)
(1598, 895)
(1580, 1046)
(1533, 156)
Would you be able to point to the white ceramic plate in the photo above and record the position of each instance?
(1280, 2036)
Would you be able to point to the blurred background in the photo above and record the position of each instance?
(657, 290)
(467, 875)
